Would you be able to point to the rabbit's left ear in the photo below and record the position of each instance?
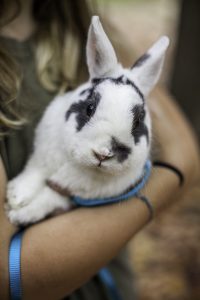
(101, 57)
(147, 69)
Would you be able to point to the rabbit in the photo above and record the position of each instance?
(92, 141)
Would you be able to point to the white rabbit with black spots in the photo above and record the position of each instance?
(93, 141)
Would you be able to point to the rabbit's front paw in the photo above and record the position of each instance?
(20, 216)
(25, 215)
(20, 192)
(17, 194)
(45, 203)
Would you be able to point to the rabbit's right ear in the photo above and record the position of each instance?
(101, 57)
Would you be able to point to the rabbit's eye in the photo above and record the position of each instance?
(139, 119)
(90, 109)
(137, 123)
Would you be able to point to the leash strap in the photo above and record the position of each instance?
(15, 266)
(108, 281)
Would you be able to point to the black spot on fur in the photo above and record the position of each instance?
(120, 150)
(129, 82)
(85, 91)
(139, 128)
(81, 109)
(119, 80)
(141, 60)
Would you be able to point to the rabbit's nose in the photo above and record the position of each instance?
(103, 156)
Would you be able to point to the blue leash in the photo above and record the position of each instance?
(104, 274)
(107, 279)
(15, 266)
(125, 196)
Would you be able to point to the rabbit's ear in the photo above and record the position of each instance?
(101, 57)
(147, 69)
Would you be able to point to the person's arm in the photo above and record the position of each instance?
(6, 231)
(61, 254)
(177, 141)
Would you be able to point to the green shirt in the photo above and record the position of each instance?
(16, 148)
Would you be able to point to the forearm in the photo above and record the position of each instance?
(61, 254)
(6, 231)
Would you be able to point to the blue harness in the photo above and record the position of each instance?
(125, 196)
(104, 274)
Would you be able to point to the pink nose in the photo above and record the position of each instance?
(101, 157)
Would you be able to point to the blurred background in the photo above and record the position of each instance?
(141, 22)
(166, 254)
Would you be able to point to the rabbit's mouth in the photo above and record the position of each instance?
(101, 159)
(110, 167)
(98, 162)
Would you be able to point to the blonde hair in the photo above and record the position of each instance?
(59, 52)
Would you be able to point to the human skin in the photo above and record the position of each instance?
(61, 254)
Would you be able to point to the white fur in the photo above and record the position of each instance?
(101, 57)
(65, 155)
(148, 74)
